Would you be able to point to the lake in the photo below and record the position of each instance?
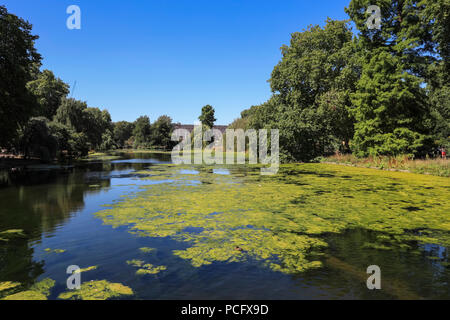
(154, 230)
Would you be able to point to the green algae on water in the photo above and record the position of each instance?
(97, 290)
(44, 286)
(39, 291)
(48, 250)
(282, 219)
(12, 233)
(145, 268)
(26, 295)
(147, 250)
(150, 269)
(136, 263)
(86, 269)
(7, 285)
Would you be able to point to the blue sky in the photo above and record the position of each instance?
(158, 57)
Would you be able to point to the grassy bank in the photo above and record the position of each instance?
(437, 167)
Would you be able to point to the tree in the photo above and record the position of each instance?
(71, 114)
(107, 142)
(37, 140)
(162, 130)
(207, 117)
(406, 31)
(312, 85)
(391, 106)
(97, 123)
(122, 132)
(440, 111)
(390, 109)
(239, 123)
(49, 92)
(71, 144)
(92, 122)
(142, 131)
(437, 14)
(18, 60)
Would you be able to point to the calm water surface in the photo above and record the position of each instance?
(55, 208)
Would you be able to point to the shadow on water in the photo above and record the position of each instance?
(418, 272)
(39, 199)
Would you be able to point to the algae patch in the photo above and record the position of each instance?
(145, 268)
(282, 219)
(97, 290)
(86, 269)
(8, 285)
(150, 269)
(39, 291)
(147, 250)
(48, 250)
(7, 235)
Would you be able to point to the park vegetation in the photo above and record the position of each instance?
(380, 92)
(369, 93)
(38, 119)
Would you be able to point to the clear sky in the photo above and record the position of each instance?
(155, 57)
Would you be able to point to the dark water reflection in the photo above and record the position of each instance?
(54, 208)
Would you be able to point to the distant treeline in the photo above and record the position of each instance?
(382, 92)
(38, 119)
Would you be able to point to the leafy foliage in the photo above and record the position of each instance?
(162, 130)
(207, 118)
(390, 109)
(142, 131)
(122, 132)
(18, 61)
(49, 92)
(311, 86)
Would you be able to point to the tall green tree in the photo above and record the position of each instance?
(162, 130)
(71, 144)
(49, 92)
(92, 122)
(97, 125)
(71, 114)
(312, 85)
(390, 109)
(18, 61)
(207, 118)
(142, 131)
(390, 105)
(36, 139)
(406, 31)
(123, 131)
(437, 14)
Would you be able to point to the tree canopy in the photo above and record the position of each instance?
(371, 92)
(49, 92)
(207, 118)
(378, 92)
(18, 61)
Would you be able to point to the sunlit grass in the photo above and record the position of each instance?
(437, 167)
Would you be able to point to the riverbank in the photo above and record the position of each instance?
(14, 162)
(435, 167)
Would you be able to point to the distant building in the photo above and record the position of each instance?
(190, 127)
